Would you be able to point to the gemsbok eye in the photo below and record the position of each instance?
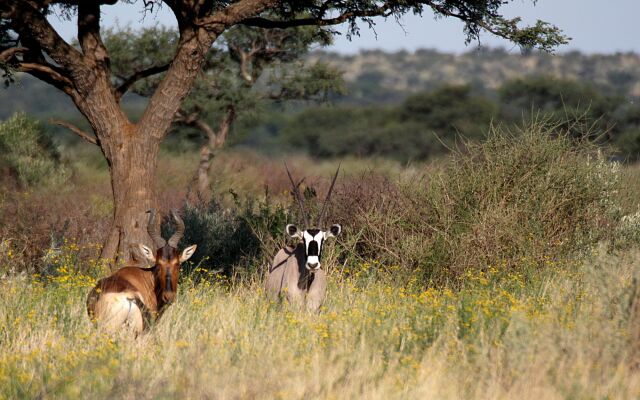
(296, 271)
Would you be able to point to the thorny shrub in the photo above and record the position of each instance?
(535, 195)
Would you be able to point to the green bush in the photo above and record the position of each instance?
(236, 240)
(530, 198)
(28, 154)
(224, 239)
(426, 124)
(585, 110)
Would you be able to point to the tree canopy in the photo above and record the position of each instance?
(25, 34)
(29, 43)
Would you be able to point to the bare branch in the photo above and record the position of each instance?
(128, 82)
(225, 125)
(186, 119)
(244, 59)
(9, 53)
(34, 63)
(47, 74)
(75, 130)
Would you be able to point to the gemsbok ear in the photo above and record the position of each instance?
(333, 231)
(187, 253)
(147, 253)
(293, 231)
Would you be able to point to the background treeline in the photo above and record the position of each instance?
(433, 122)
(379, 77)
(413, 106)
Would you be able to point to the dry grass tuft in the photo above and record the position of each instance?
(564, 334)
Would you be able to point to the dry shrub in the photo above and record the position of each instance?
(520, 200)
(367, 206)
(36, 222)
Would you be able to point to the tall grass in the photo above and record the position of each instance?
(564, 334)
(488, 275)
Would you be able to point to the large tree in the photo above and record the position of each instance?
(29, 43)
(247, 69)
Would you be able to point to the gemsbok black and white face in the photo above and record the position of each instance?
(313, 240)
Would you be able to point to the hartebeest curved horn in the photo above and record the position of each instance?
(296, 194)
(154, 230)
(326, 200)
(175, 239)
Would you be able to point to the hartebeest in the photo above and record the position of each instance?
(134, 295)
(296, 270)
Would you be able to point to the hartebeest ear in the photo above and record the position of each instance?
(333, 231)
(187, 253)
(147, 253)
(293, 231)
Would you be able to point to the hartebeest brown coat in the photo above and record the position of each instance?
(133, 296)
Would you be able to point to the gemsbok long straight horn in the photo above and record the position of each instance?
(326, 199)
(295, 189)
(296, 271)
(133, 296)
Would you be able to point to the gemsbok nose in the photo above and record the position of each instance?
(313, 266)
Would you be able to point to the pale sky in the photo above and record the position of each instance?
(595, 26)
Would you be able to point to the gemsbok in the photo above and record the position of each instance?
(133, 296)
(296, 272)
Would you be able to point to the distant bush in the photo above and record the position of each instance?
(426, 124)
(28, 154)
(563, 100)
(233, 239)
(224, 240)
(524, 199)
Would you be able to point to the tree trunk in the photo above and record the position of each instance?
(131, 149)
(131, 155)
(202, 175)
(84, 74)
(133, 181)
(208, 150)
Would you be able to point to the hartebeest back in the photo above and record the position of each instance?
(133, 295)
(296, 271)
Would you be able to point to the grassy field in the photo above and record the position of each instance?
(565, 334)
(516, 277)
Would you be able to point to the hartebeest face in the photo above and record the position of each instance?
(313, 240)
(166, 259)
(166, 265)
(134, 295)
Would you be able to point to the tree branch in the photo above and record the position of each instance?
(75, 130)
(128, 82)
(7, 54)
(28, 21)
(233, 14)
(225, 125)
(34, 63)
(195, 42)
(260, 22)
(49, 75)
(481, 23)
(244, 59)
(89, 35)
